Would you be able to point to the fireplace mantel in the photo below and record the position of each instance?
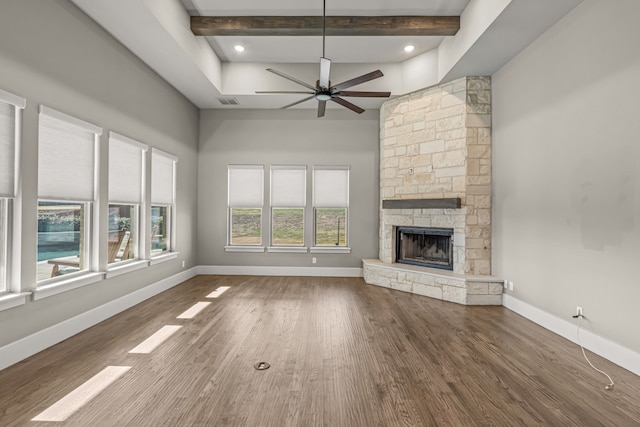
(441, 203)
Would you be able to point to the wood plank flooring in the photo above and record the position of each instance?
(342, 353)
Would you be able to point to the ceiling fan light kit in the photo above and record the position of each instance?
(323, 91)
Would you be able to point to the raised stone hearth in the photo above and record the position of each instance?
(435, 146)
(434, 283)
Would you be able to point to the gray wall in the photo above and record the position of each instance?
(566, 173)
(53, 54)
(287, 137)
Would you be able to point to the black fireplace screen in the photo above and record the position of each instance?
(427, 247)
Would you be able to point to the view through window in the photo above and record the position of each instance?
(159, 229)
(123, 229)
(61, 237)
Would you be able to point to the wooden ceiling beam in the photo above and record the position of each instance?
(335, 25)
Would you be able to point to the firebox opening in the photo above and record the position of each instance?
(425, 246)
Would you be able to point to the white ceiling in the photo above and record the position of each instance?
(205, 69)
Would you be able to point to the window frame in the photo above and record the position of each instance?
(159, 200)
(235, 247)
(321, 205)
(91, 274)
(137, 226)
(290, 204)
(11, 207)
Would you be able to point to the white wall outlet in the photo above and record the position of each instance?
(184, 263)
(313, 260)
(506, 284)
(579, 311)
(510, 285)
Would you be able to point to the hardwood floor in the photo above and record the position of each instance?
(342, 353)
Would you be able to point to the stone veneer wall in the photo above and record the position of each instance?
(436, 143)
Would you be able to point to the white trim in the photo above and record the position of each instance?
(70, 120)
(164, 154)
(330, 250)
(610, 350)
(288, 249)
(244, 248)
(58, 287)
(117, 269)
(165, 256)
(11, 300)
(32, 344)
(13, 99)
(118, 137)
(242, 270)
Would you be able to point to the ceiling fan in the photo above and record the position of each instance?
(323, 91)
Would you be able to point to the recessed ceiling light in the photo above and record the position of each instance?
(238, 48)
(409, 48)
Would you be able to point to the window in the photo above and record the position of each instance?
(67, 155)
(126, 176)
(11, 107)
(330, 205)
(163, 167)
(246, 195)
(288, 200)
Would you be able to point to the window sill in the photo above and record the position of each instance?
(13, 300)
(163, 257)
(119, 268)
(288, 249)
(330, 250)
(244, 248)
(59, 287)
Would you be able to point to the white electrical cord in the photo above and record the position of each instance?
(611, 384)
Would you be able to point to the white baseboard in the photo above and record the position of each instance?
(234, 270)
(28, 346)
(610, 350)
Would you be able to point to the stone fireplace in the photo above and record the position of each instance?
(435, 172)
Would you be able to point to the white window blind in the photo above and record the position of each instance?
(126, 169)
(66, 157)
(246, 185)
(162, 177)
(288, 186)
(10, 105)
(331, 187)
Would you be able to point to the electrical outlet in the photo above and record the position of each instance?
(506, 284)
(313, 260)
(184, 263)
(579, 311)
(510, 285)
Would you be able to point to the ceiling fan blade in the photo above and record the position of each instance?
(298, 102)
(293, 79)
(356, 81)
(325, 70)
(322, 105)
(364, 94)
(347, 104)
(284, 91)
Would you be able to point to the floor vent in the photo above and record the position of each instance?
(228, 101)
